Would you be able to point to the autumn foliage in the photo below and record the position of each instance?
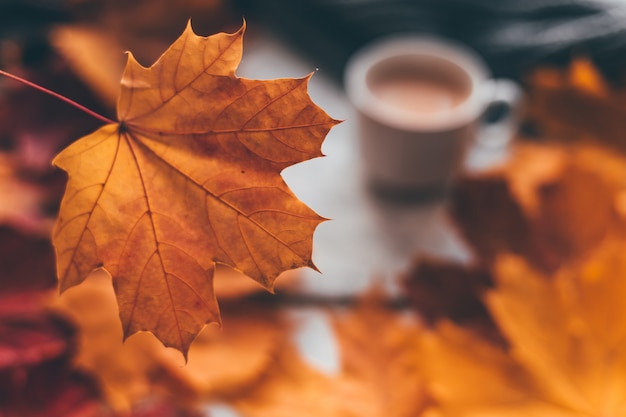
(552, 246)
(188, 178)
(180, 202)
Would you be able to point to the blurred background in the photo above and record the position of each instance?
(75, 47)
(511, 35)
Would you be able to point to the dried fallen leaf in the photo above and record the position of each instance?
(378, 376)
(553, 233)
(439, 289)
(291, 386)
(252, 339)
(121, 369)
(502, 225)
(567, 336)
(380, 361)
(142, 368)
(577, 104)
(550, 204)
(187, 179)
(577, 213)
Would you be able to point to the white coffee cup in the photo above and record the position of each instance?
(420, 103)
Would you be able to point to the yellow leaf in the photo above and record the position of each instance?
(189, 177)
(379, 374)
(380, 360)
(567, 344)
(142, 368)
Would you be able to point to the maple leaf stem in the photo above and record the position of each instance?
(59, 96)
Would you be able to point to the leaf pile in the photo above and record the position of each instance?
(566, 354)
(544, 330)
(166, 199)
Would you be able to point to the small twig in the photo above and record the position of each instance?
(59, 96)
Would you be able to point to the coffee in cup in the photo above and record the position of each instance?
(420, 102)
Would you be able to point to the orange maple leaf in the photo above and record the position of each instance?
(189, 177)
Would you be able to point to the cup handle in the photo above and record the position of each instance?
(508, 95)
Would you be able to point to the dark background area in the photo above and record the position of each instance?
(511, 35)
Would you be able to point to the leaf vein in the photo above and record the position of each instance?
(188, 285)
(274, 100)
(154, 233)
(193, 80)
(247, 245)
(210, 132)
(90, 212)
(212, 194)
(137, 290)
